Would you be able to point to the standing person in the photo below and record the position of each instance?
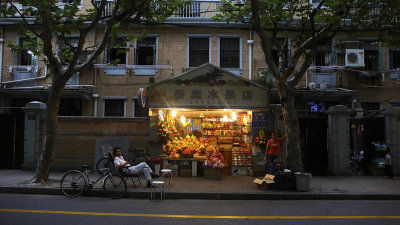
(388, 164)
(119, 162)
(272, 151)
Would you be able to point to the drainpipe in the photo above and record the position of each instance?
(1, 55)
(250, 42)
(96, 97)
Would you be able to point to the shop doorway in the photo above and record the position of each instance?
(373, 132)
(313, 135)
(12, 141)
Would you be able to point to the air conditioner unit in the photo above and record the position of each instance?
(18, 6)
(355, 57)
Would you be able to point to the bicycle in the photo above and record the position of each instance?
(103, 161)
(74, 183)
(132, 157)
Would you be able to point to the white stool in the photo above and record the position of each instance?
(165, 172)
(157, 187)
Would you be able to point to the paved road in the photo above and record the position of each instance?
(45, 209)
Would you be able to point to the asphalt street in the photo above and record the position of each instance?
(48, 209)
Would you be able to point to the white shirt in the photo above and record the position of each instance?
(388, 160)
(119, 160)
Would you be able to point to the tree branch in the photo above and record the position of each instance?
(265, 43)
(27, 25)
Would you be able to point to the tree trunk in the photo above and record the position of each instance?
(47, 153)
(293, 151)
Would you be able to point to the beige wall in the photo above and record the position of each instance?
(172, 51)
(76, 138)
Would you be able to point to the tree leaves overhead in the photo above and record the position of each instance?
(40, 17)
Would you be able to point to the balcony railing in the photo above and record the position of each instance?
(204, 9)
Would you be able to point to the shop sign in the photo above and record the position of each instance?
(142, 97)
(212, 89)
(259, 121)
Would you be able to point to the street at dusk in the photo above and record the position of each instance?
(41, 209)
(199, 112)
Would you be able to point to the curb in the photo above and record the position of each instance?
(214, 196)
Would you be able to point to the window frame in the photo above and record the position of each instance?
(366, 43)
(134, 106)
(63, 4)
(238, 70)
(115, 70)
(188, 36)
(152, 69)
(371, 101)
(17, 59)
(113, 98)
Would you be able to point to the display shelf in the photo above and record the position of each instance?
(241, 156)
(217, 135)
(219, 129)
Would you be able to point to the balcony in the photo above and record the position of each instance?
(197, 9)
(148, 70)
(24, 76)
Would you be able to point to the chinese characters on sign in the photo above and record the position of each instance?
(213, 95)
(259, 121)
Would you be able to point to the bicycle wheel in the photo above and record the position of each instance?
(73, 183)
(115, 186)
(102, 165)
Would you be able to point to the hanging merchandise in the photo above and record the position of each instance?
(359, 132)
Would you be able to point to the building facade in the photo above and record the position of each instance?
(368, 84)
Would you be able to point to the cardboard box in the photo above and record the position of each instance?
(266, 183)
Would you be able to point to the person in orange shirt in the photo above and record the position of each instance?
(272, 151)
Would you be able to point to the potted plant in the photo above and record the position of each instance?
(157, 161)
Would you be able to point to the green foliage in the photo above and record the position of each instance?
(70, 19)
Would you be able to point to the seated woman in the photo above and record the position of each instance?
(120, 163)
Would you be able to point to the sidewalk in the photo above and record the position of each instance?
(230, 187)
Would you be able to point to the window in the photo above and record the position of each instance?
(146, 51)
(394, 59)
(65, 2)
(139, 111)
(373, 57)
(74, 80)
(371, 106)
(323, 58)
(26, 56)
(229, 52)
(371, 60)
(117, 52)
(199, 51)
(114, 107)
(394, 103)
(276, 49)
(69, 46)
(70, 107)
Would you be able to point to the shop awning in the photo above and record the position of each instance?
(207, 86)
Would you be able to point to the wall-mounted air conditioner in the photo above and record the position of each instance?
(355, 57)
(18, 6)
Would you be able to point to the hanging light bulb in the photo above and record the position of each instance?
(173, 113)
(182, 119)
(161, 115)
(201, 115)
(234, 116)
(225, 118)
